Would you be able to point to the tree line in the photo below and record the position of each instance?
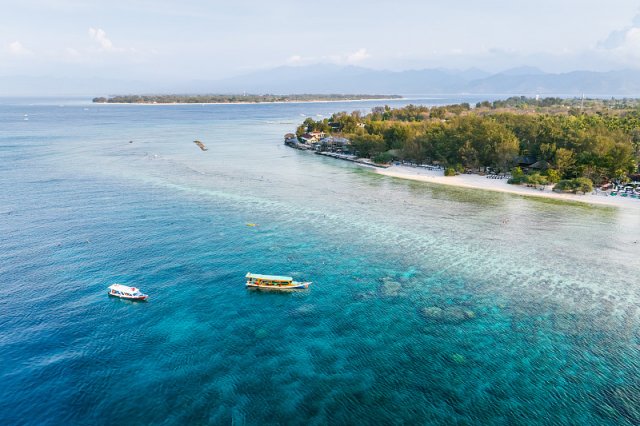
(600, 142)
(203, 99)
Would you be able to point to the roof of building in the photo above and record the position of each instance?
(335, 139)
(526, 160)
(540, 165)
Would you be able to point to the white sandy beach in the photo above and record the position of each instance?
(501, 185)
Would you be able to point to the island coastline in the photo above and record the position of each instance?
(238, 99)
(250, 103)
(475, 181)
(522, 146)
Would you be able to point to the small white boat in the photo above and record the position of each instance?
(274, 282)
(125, 292)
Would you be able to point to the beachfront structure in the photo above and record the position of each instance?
(335, 144)
(291, 140)
(526, 161)
(311, 137)
(308, 138)
(540, 165)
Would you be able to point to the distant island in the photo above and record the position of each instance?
(232, 99)
(569, 145)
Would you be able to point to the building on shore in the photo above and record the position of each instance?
(311, 137)
(335, 144)
(312, 141)
(293, 141)
(290, 139)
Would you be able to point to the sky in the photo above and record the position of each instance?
(163, 40)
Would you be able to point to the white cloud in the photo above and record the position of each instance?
(295, 59)
(358, 56)
(632, 41)
(624, 44)
(16, 48)
(340, 59)
(100, 36)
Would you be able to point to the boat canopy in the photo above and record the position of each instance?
(123, 288)
(269, 277)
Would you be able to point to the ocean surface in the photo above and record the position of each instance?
(429, 304)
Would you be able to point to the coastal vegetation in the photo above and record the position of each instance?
(569, 142)
(239, 98)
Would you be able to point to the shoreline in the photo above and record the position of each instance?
(249, 103)
(474, 181)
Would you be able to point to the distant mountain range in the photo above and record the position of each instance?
(325, 79)
(523, 80)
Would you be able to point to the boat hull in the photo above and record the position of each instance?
(142, 298)
(295, 286)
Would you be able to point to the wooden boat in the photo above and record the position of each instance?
(126, 292)
(274, 282)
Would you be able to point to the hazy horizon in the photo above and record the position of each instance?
(164, 44)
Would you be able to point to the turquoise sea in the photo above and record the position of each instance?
(430, 304)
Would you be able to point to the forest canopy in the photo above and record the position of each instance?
(565, 139)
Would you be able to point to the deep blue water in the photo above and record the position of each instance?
(430, 305)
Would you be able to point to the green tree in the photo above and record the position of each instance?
(553, 176)
(437, 112)
(367, 145)
(500, 144)
(397, 135)
(450, 171)
(564, 161)
(469, 155)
